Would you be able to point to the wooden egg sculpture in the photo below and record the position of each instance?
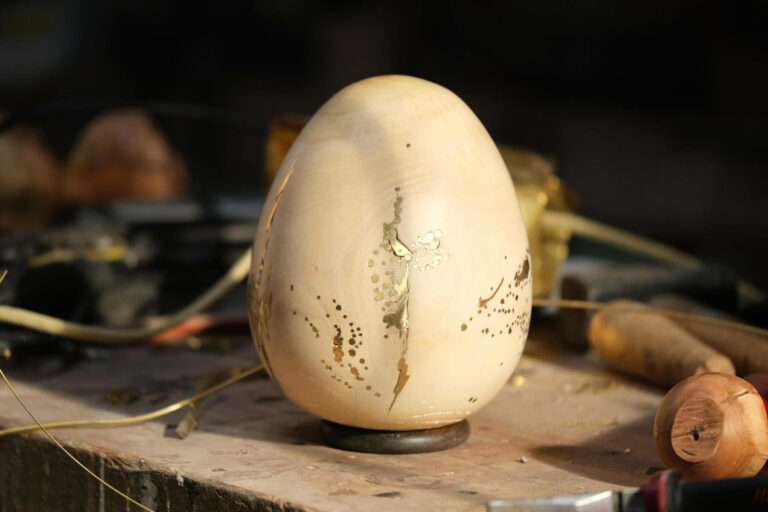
(390, 287)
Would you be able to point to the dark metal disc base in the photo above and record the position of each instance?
(391, 441)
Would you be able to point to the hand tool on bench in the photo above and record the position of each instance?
(637, 341)
(600, 282)
(749, 352)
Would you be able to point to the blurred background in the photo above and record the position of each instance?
(653, 111)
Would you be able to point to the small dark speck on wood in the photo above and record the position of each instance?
(391, 494)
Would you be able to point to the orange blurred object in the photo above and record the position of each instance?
(122, 155)
(200, 323)
(29, 180)
(283, 130)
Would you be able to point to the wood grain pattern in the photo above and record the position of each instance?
(390, 215)
(712, 426)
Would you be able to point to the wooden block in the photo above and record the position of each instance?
(560, 426)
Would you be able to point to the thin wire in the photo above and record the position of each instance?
(74, 459)
(190, 402)
(643, 308)
(537, 302)
(58, 327)
(141, 418)
(239, 271)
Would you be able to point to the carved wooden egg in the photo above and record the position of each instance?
(391, 285)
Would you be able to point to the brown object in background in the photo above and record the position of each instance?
(712, 426)
(603, 283)
(29, 180)
(539, 191)
(122, 155)
(650, 346)
(283, 130)
(749, 352)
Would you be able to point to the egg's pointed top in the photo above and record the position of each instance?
(383, 90)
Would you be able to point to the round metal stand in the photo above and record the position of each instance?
(391, 441)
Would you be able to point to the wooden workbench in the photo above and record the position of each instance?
(563, 425)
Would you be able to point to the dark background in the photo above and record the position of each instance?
(654, 110)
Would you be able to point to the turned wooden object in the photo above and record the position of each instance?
(391, 279)
(122, 155)
(712, 426)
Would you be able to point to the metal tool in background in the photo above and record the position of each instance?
(663, 492)
(119, 264)
(595, 280)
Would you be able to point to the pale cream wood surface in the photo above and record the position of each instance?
(391, 283)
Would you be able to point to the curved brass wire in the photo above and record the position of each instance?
(58, 327)
(74, 459)
(643, 308)
(141, 418)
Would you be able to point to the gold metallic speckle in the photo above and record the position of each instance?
(482, 303)
(402, 379)
(522, 274)
(427, 253)
(338, 342)
(356, 373)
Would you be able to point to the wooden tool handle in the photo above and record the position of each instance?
(649, 346)
(637, 282)
(749, 352)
